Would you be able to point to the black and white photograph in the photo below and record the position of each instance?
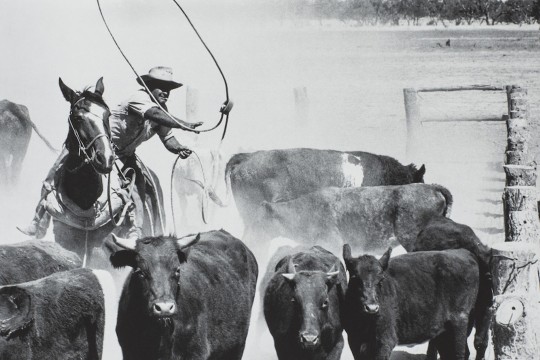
(269, 179)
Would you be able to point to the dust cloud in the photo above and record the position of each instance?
(353, 79)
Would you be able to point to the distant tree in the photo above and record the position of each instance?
(536, 11)
(519, 11)
(361, 11)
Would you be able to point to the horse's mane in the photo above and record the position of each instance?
(86, 93)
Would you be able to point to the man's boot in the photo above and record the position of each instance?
(39, 225)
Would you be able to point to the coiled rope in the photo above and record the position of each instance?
(225, 108)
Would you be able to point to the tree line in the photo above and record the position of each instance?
(373, 12)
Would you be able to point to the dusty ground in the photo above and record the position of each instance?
(354, 79)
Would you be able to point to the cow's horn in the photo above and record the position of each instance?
(123, 242)
(188, 240)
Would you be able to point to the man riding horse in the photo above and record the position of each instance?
(133, 122)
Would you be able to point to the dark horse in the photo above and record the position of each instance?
(90, 157)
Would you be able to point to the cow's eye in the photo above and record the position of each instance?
(380, 282)
(325, 304)
(293, 299)
(177, 272)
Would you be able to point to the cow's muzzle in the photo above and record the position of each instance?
(309, 341)
(371, 308)
(164, 308)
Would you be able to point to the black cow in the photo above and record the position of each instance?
(369, 218)
(185, 298)
(34, 259)
(281, 175)
(442, 233)
(302, 305)
(410, 299)
(61, 316)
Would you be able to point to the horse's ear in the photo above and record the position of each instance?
(69, 94)
(99, 87)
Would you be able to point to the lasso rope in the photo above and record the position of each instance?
(205, 190)
(225, 108)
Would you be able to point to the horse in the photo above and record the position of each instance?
(80, 183)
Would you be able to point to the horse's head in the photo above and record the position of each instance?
(89, 132)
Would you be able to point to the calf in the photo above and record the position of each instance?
(442, 233)
(302, 305)
(410, 299)
(34, 259)
(187, 298)
(61, 316)
(369, 218)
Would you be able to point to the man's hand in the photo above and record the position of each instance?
(194, 125)
(176, 148)
(183, 151)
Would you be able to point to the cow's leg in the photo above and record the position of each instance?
(431, 351)
(335, 353)
(458, 334)
(360, 348)
(443, 346)
(483, 316)
(286, 351)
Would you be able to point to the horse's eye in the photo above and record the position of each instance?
(177, 272)
(293, 299)
(139, 273)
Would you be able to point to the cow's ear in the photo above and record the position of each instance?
(347, 255)
(121, 255)
(123, 258)
(69, 94)
(419, 175)
(385, 259)
(16, 310)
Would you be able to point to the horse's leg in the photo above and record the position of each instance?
(69, 238)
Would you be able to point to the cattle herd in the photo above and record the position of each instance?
(191, 297)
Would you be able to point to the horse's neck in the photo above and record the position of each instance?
(83, 186)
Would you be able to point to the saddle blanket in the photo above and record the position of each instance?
(63, 209)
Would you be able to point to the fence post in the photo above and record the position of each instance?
(301, 102)
(192, 104)
(414, 125)
(519, 197)
(515, 262)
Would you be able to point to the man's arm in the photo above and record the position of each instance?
(171, 144)
(159, 116)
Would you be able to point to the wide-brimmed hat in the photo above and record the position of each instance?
(160, 76)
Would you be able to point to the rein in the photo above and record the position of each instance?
(82, 148)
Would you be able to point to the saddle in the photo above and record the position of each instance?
(63, 209)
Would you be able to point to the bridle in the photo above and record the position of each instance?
(82, 147)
